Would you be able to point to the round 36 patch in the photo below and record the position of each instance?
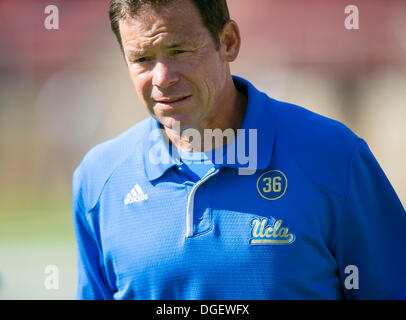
(272, 185)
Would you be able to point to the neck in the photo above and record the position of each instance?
(218, 129)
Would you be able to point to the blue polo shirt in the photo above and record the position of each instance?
(198, 163)
(311, 216)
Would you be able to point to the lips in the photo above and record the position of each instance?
(173, 101)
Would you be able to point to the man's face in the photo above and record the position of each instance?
(174, 65)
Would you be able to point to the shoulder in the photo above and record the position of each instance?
(322, 147)
(101, 161)
(309, 127)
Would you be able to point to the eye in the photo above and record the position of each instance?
(175, 52)
(142, 59)
(139, 60)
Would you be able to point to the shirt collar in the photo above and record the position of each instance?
(158, 155)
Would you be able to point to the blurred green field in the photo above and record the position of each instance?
(35, 231)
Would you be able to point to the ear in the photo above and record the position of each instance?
(230, 41)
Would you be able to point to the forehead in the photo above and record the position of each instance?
(178, 21)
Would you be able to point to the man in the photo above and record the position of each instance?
(308, 214)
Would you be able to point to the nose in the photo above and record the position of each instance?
(164, 75)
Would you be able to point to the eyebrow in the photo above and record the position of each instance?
(179, 44)
(134, 53)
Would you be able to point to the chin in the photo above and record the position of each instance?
(175, 123)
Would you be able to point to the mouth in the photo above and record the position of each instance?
(169, 103)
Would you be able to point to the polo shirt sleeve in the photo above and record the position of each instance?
(371, 234)
(92, 284)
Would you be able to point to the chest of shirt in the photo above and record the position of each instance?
(263, 224)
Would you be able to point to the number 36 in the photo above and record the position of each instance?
(272, 184)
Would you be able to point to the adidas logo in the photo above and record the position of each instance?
(135, 195)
